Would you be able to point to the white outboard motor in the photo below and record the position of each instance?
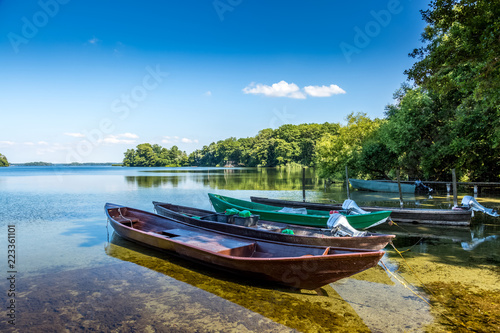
(470, 203)
(340, 227)
(353, 208)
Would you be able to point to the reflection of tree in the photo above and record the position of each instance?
(288, 178)
(284, 178)
(154, 181)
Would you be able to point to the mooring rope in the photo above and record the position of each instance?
(406, 285)
(131, 223)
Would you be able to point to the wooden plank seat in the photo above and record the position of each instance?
(126, 220)
(215, 243)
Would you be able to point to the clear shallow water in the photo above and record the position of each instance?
(74, 274)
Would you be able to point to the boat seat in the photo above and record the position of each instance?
(211, 242)
(126, 220)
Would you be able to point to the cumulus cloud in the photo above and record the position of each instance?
(186, 140)
(280, 89)
(6, 143)
(324, 91)
(291, 90)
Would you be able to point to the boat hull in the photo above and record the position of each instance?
(459, 217)
(377, 186)
(302, 234)
(314, 218)
(298, 266)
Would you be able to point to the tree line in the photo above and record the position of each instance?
(147, 155)
(3, 161)
(445, 116)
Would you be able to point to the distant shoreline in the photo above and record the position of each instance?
(64, 164)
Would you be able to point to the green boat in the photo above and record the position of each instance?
(300, 216)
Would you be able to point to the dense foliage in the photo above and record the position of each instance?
(450, 118)
(3, 161)
(457, 93)
(147, 155)
(288, 144)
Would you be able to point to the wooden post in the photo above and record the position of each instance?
(399, 188)
(454, 180)
(303, 184)
(347, 182)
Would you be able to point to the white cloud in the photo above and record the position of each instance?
(125, 138)
(323, 91)
(291, 90)
(207, 93)
(186, 140)
(280, 89)
(6, 143)
(75, 135)
(94, 40)
(29, 143)
(42, 143)
(176, 139)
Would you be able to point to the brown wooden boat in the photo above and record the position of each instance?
(457, 217)
(293, 265)
(269, 230)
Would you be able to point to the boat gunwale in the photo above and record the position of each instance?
(351, 252)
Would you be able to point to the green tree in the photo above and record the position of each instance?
(147, 155)
(3, 161)
(336, 151)
(458, 69)
(462, 50)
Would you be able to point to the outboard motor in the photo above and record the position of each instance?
(353, 208)
(420, 187)
(340, 227)
(471, 204)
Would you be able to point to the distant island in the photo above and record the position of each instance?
(34, 164)
(66, 164)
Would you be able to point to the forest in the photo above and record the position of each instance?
(3, 161)
(445, 116)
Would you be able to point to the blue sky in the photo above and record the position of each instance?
(86, 80)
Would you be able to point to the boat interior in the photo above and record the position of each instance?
(175, 212)
(212, 241)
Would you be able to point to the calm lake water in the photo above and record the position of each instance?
(72, 273)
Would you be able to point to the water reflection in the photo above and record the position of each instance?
(155, 181)
(232, 178)
(304, 310)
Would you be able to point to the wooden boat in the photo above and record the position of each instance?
(457, 217)
(380, 186)
(293, 265)
(312, 218)
(269, 230)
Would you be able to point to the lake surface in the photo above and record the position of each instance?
(72, 273)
